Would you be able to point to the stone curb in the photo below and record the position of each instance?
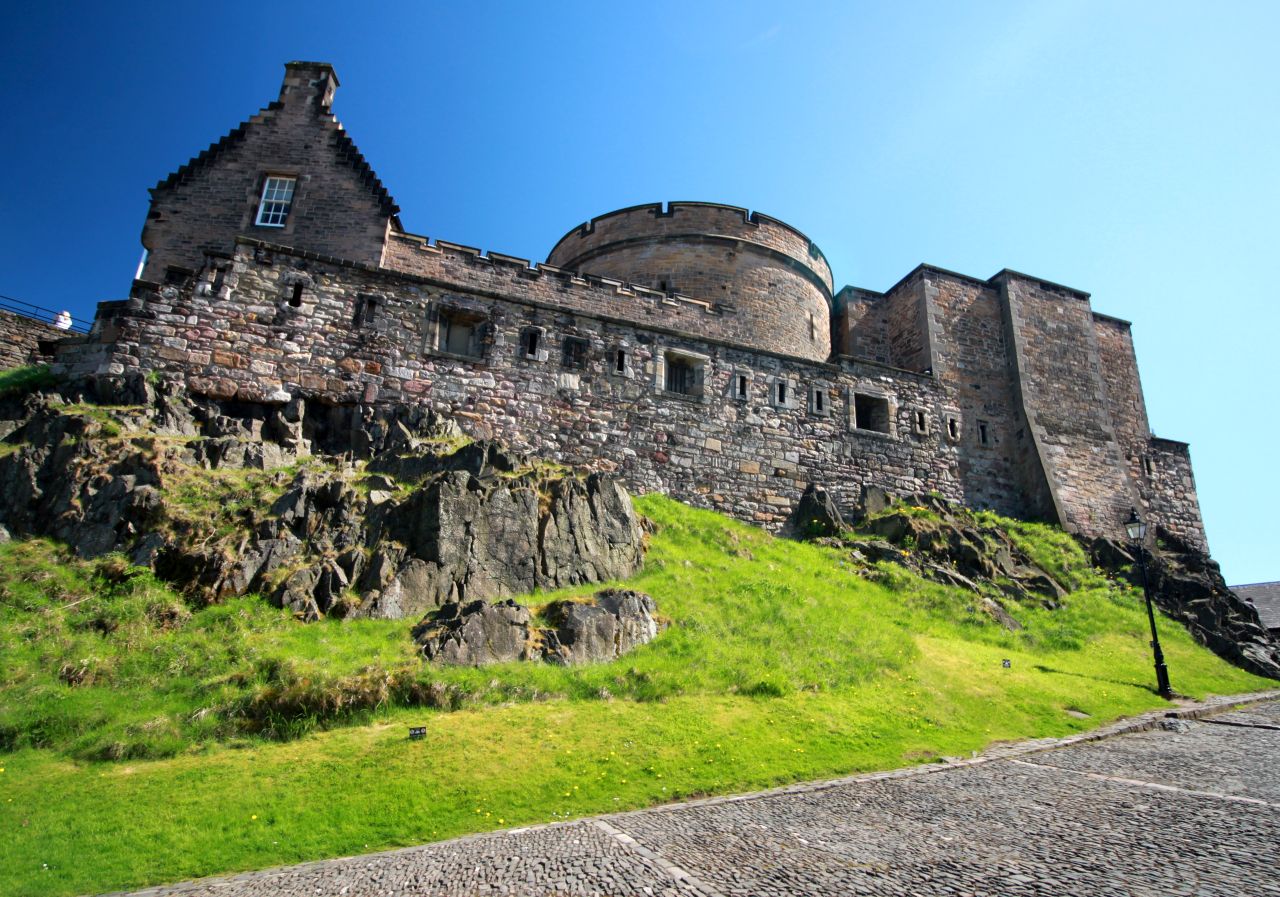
(604, 822)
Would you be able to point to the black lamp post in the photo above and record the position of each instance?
(1137, 530)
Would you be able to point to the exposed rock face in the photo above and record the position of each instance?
(477, 633)
(950, 546)
(1187, 585)
(389, 516)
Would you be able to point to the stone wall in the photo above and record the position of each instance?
(1170, 490)
(971, 358)
(772, 278)
(1059, 375)
(19, 336)
(339, 206)
(749, 457)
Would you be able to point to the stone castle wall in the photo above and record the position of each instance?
(748, 457)
(20, 337)
(1008, 393)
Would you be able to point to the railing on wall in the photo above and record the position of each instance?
(42, 314)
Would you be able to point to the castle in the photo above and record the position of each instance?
(694, 348)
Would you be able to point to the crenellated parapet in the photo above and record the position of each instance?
(775, 279)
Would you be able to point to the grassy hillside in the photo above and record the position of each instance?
(143, 741)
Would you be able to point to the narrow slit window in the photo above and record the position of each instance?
(818, 400)
(277, 200)
(295, 297)
(366, 311)
(530, 340)
(740, 387)
(782, 392)
(953, 429)
(620, 361)
(984, 433)
(921, 422)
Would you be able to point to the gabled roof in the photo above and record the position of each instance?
(348, 153)
(1266, 598)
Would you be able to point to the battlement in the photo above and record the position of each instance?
(684, 220)
(446, 262)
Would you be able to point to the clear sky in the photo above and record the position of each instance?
(1126, 149)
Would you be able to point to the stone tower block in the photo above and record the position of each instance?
(771, 281)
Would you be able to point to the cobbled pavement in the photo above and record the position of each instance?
(1153, 806)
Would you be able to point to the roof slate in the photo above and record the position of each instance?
(1265, 596)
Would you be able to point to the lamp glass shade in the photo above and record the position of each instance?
(1136, 527)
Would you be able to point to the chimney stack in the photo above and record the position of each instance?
(306, 82)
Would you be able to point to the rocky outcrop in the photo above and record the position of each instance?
(947, 544)
(613, 623)
(1187, 585)
(360, 510)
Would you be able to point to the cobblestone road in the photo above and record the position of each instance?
(1191, 807)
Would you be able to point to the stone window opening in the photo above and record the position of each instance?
(531, 344)
(818, 401)
(782, 393)
(575, 351)
(620, 361)
(953, 428)
(813, 329)
(741, 384)
(459, 333)
(366, 311)
(219, 280)
(871, 413)
(1148, 465)
(984, 433)
(276, 201)
(920, 422)
(683, 374)
(295, 295)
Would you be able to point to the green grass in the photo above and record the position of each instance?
(250, 740)
(20, 381)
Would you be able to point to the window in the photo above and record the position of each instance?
(459, 333)
(575, 352)
(683, 374)
(953, 428)
(741, 383)
(870, 413)
(984, 433)
(620, 361)
(277, 199)
(530, 343)
(366, 310)
(818, 401)
(920, 422)
(782, 392)
(295, 295)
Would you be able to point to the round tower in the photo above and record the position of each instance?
(770, 282)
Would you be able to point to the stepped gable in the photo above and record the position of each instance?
(199, 208)
(348, 152)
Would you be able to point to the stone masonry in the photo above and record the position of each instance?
(694, 348)
(20, 338)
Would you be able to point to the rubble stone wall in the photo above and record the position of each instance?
(19, 338)
(748, 457)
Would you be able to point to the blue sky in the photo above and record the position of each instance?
(1126, 149)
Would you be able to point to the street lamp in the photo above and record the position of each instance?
(1137, 530)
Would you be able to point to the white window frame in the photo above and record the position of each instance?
(276, 201)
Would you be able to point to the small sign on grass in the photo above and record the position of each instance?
(417, 733)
